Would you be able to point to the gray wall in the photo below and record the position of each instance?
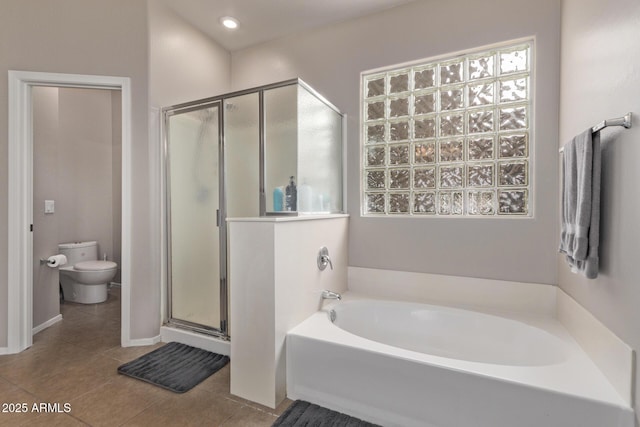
(75, 155)
(185, 64)
(86, 37)
(84, 199)
(45, 237)
(600, 80)
(331, 60)
(116, 177)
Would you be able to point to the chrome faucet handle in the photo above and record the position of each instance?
(324, 259)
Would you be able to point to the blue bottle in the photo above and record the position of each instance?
(278, 196)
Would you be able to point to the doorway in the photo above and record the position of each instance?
(76, 198)
(21, 174)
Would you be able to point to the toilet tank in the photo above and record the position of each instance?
(79, 251)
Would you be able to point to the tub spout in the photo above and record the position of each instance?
(326, 294)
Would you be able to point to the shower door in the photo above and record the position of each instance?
(196, 250)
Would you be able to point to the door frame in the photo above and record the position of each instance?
(20, 200)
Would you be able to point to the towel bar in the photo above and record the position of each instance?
(619, 121)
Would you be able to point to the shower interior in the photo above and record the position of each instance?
(235, 155)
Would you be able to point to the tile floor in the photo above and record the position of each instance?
(74, 362)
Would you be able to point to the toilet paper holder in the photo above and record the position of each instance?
(52, 262)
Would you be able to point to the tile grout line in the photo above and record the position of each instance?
(249, 405)
(143, 410)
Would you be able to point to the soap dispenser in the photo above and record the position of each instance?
(291, 196)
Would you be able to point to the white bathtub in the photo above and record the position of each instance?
(405, 364)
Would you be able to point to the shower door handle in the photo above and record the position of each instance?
(217, 217)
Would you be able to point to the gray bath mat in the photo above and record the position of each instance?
(302, 414)
(174, 366)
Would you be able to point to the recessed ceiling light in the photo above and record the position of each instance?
(229, 22)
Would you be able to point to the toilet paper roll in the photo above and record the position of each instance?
(56, 260)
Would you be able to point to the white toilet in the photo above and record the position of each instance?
(85, 278)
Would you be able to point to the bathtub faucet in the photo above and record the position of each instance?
(326, 294)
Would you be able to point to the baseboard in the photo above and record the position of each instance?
(4, 350)
(142, 341)
(195, 340)
(46, 324)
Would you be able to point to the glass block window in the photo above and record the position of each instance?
(449, 137)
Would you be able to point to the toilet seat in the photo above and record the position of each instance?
(95, 265)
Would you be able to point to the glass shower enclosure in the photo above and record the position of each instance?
(272, 150)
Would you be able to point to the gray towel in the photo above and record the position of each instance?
(580, 232)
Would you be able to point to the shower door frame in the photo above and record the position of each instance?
(167, 113)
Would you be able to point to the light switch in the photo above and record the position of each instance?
(49, 206)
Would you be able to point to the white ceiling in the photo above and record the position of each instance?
(263, 20)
